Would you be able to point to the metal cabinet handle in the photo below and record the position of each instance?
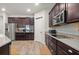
(70, 51)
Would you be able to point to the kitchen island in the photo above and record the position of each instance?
(4, 45)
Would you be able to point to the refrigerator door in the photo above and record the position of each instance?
(12, 29)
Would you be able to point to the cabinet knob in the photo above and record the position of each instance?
(70, 51)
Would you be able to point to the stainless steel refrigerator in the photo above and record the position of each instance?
(10, 29)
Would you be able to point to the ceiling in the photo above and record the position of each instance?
(20, 8)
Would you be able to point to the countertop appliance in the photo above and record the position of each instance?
(53, 32)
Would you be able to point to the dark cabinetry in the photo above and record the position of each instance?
(4, 50)
(62, 6)
(58, 8)
(20, 36)
(51, 43)
(24, 36)
(21, 20)
(72, 12)
(67, 49)
(60, 51)
(59, 48)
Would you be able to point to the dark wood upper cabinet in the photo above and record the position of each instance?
(72, 12)
(62, 6)
(31, 21)
(58, 7)
(21, 20)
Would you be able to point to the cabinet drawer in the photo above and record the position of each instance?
(67, 48)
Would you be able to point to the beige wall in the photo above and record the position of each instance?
(72, 28)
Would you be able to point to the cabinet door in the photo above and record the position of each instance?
(69, 50)
(62, 6)
(31, 36)
(50, 19)
(51, 45)
(31, 21)
(11, 20)
(60, 51)
(27, 36)
(73, 12)
(20, 36)
(57, 9)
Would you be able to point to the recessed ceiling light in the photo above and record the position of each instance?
(36, 4)
(3, 9)
(28, 10)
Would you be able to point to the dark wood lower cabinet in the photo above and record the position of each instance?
(24, 36)
(60, 51)
(4, 50)
(69, 50)
(51, 43)
(59, 48)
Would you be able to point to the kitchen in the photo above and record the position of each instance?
(52, 26)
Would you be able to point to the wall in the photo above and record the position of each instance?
(3, 20)
(1, 25)
(72, 28)
(42, 24)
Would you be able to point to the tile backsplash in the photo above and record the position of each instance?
(72, 28)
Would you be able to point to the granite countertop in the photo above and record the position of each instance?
(4, 40)
(74, 43)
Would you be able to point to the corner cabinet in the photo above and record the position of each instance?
(59, 48)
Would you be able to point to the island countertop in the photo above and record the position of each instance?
(4, 40)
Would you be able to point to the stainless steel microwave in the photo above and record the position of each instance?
(59, 19)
